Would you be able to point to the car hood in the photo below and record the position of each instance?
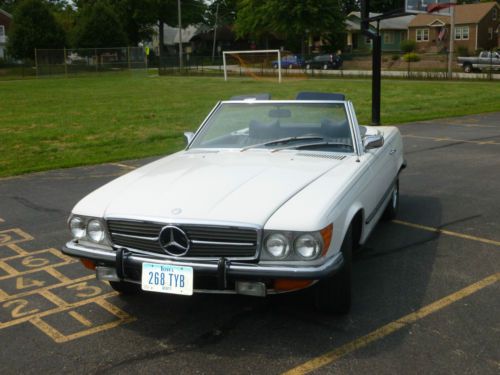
(226, 186)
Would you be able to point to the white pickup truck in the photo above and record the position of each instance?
(485, 61)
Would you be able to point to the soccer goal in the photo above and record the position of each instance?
(254, 63)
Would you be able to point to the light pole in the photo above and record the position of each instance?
(180, 33)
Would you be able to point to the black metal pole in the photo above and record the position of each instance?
(376, 59)
(376, 78)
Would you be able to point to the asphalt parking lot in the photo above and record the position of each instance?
(425, 294)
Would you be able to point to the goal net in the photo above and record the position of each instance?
(254, 63)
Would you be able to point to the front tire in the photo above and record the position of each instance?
(391, 211)
(468, 68)
(125, 288)
(333, 294)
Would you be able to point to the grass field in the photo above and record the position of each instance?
(53, 123)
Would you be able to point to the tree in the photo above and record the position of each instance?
(292, 19)
(98, 26)
(34, 27)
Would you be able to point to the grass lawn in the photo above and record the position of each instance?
(53, 123)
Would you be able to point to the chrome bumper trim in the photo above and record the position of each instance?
(323, 270)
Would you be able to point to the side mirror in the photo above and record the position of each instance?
(188, 137)
(373, 141)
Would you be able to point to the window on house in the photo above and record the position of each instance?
(2, 30)
(422, 35)
(490, 33)
(462, 33)
(388, 37)
(495, 14)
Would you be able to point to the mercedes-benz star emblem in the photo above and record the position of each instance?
(174, 241)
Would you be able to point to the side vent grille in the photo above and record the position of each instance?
(322, 155)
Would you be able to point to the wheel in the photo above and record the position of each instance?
(308, 66)
(275, 66)
(325, 67)
(468, 68)
(333, 294)
(125, 288)
(392, 208)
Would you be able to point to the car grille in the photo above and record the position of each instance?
(206, 241)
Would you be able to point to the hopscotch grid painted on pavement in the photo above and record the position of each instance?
(42, 290)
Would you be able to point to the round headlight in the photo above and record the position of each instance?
(277, 246)
(77, 227)
(307, 246)
(95, 231)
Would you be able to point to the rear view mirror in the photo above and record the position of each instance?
(188, 137)
(373, 141)
(280, 113)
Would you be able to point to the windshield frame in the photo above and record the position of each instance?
(348, 107)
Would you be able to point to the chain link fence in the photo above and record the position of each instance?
(49, 62)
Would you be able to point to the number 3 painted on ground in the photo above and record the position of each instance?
(85, 291)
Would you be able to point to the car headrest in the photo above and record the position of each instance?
(261, 96)
(307, 95)
(334, 129)
(258, 130)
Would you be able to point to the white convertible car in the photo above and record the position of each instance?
(269, 196)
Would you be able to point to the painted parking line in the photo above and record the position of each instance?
(448, 233)
(334, 355)
(124, 166)
(447, 139)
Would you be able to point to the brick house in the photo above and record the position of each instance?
(5, 21)
(476, 27)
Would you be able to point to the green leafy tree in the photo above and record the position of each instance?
(98, 26)
(292, 19)
(34, 27)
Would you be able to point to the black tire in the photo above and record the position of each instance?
(308, 66)
(325, 67)
(391, 211)
(333, 294)
(125, 288)
(468, 68)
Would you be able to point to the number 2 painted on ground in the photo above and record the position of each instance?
(18, 305)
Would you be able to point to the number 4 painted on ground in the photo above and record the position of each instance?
(24, 283)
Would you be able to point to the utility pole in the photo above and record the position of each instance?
(452, 38)
(215, 30)
(180, 33)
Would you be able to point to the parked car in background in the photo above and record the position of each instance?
(269, 196)
(327, 61)
(289, 61)
(485, 61)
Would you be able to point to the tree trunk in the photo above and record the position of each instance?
(161, 42)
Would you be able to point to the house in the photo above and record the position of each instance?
(5, 22)
(171, 38)
(476, 27)
(393, 31)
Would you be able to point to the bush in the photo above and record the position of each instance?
(408, 46)
(411, 57)
(395, 57)
(462, 51)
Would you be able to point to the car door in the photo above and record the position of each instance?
(383, 171)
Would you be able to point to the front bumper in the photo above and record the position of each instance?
(123, 259)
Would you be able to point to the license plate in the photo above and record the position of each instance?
(166, 278)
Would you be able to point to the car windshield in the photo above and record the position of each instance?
(277, 125)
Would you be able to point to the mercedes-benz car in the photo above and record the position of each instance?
(268, 196)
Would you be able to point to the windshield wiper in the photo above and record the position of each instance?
(284, 141)
(312, 145)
